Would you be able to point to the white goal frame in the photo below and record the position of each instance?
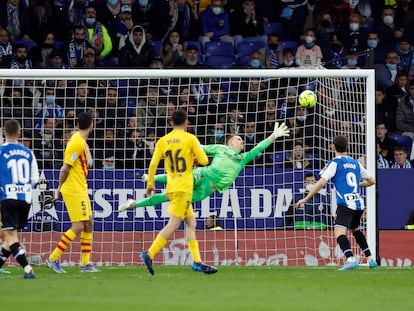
(368, 74)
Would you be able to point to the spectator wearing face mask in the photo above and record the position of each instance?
(335, 57)
(217, 134)
(47, 107)
(108, 162)
(288, 59)
(386, 73)
(215, 21)
(97, 34)
(354, 36)
(255, 60)
(309, 54)
(324, 29)
(388, 30)
(271, 54)
(351, 61)
(373, 55)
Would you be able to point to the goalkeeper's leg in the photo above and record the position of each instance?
(152, 200)
(199, 194)
(202, 189)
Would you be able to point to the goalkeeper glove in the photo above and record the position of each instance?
(280, 131)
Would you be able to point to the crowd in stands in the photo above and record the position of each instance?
(251, 34)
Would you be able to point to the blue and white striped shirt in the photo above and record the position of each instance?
(346, 174)
(18, 172)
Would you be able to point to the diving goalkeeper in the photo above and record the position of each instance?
(228, 161)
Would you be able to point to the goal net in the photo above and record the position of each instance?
(131, 110)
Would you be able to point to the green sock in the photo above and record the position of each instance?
(152, 200)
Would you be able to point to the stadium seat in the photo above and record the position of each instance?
(59, 45)
(219, 54)
(157, 46)
(274, 28)
(279, 157)
(245, 48)
(402, 140)
(288, 44)
(29, 44)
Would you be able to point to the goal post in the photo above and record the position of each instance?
(131, 110)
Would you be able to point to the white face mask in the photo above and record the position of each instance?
(330, 112)
(354, 26)
(308, 39)
(143, 3)
(388, 19)
(150, 144)
(216, 10)
(309, 187)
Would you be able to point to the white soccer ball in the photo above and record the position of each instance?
(308, 99)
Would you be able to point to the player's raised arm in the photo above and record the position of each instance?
(279, 131)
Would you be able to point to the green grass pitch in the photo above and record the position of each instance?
(232, 288)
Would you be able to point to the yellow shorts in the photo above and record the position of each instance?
(78, 206)
(180, 204)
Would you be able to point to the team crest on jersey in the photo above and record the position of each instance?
(74, 157)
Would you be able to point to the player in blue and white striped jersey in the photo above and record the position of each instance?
(18, 175)
(347, 175)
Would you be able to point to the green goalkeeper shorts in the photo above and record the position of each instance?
(202, 186)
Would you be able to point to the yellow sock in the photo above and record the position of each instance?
(194, 250)
(63, 244)
(86, 247)
(156, 246)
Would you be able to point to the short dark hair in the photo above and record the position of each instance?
(307, 175)
(12, 127)
(84, 120)
(400, 148)
(341, 143)
(179, 117)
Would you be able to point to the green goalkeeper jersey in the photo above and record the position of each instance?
(228, 163)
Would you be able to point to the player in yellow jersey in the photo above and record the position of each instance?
(178, 149)
(73, 188)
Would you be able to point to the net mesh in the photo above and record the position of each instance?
(130, 114)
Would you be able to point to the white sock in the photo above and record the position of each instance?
(28, 269)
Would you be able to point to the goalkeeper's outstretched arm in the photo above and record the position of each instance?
(279, 131)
